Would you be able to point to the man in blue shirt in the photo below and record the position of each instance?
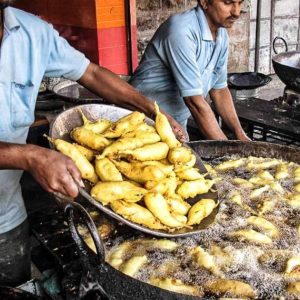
(187, 59)
(31, 48)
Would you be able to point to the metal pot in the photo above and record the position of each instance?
(287, 66)
(111, 283)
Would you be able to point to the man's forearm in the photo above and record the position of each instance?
(109, 86)
(14, 156)
(205, 118)
(224, 105)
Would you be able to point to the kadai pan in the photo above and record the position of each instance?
(71, 118)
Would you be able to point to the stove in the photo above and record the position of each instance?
(276, 121)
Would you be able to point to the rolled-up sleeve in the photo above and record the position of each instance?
(180, 51)
(64, 60)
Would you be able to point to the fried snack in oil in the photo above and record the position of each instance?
(232, 288)
(229, 165)
(294, 288)
(179, 155)
(133, 265)
(107, 192)
(162, 244)
(136, 213)
(282, 171)
(225, 258)
(242, 182)
(260, 181)
(264, 174)
(125, 124)
(267, 227)
(257, 164)
(116, 257)
(85, 167)
(206, 261)
(164, 129)
(98, 126)
(89, 138)
(251, 236)
(138, 172)
(200, 210)
(155, 151)
(210, 170)
(107, 171)
(265, 206)
(258, 192)
(237, 199)
(276, 186)
(88, 153)
(190, 189)
(293, 200)
(297, 187)
(175, 285)
(158, 206)
(190, 174)
(293, 266)
(297, 174)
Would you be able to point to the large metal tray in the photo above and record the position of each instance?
(71, 118)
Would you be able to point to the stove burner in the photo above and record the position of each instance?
(291, 97)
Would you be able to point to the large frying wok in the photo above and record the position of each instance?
(101, 276)
(287, 66)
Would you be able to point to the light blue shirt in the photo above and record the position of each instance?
(182, 60)
(30, 49)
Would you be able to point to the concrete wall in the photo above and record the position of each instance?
(278, 18)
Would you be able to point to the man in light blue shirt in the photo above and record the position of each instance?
(187, 59)
(31, 48)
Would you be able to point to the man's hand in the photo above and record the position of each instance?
(54, 171)
(242, 136)
(180, 133)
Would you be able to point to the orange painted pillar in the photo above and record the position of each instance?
(105, 30)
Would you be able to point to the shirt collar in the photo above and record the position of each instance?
(10, 20)
(205, 30)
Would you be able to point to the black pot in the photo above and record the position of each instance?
(287, 66)
(111, 283)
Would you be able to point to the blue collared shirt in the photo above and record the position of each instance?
(30, 49)
(182, 60)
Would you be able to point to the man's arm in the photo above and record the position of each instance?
(53, 171)
(115, 90)
(223, 102)
(205, 118)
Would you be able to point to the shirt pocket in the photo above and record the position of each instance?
(22, 104)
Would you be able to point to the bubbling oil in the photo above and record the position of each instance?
(262, 266)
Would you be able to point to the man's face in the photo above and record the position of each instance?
(5, 3)
(222, 13)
